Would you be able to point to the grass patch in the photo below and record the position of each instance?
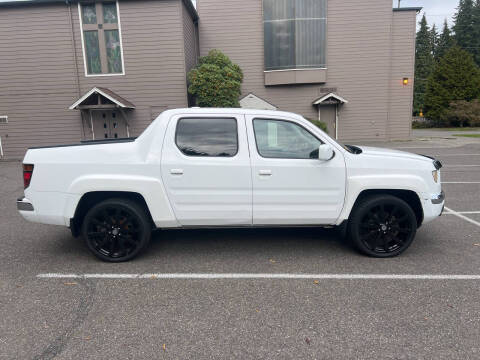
(458, 129)
(468, 135)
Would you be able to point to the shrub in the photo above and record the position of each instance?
(215, 81)
(319, 124)
(463, 113)
(421, 124)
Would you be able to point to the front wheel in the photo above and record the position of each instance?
(116, 230)
(382, 226)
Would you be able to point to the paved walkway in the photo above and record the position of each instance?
(425, 138)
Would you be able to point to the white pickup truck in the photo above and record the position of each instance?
(229, 168)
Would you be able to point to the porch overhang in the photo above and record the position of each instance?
(101, 98)
(329, 99)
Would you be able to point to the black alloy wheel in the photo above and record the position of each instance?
(116, 230)
(382, 226)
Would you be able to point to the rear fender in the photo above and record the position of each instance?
(150, 188)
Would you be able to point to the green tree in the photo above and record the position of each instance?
(455, 77)
(215, 81)
(434, 40)
(464, 25)
(445, 42)
(476, 32)
(423, 64)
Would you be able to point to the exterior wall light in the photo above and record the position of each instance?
(405, 81)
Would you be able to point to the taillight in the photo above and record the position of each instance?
(27, 175)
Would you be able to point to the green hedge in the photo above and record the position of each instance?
(319, 124)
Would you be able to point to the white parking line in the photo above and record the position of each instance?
(215, 276)
(462, 212)
(460, 182)
(453, 212)
(440, 156)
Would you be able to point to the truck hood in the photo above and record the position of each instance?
(374, 151)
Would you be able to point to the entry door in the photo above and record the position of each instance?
(290, 185)
(328, 114)
(206, 170)
(108, 125)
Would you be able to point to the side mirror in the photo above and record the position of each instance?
(325, 152)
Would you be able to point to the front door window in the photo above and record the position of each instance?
(284, 140)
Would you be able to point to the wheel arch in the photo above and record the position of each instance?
(409, 196)
(89, 199)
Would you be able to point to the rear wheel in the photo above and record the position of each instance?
(116, 230)
(382, 226)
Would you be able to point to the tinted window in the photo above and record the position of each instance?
(284, 139)
(207, 136)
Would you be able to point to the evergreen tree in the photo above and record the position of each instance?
(423, 64)
(434, 40)
(445, 42)
(455, 77)
(476, 32)
(464, 25)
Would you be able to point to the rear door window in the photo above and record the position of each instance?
(208, 137)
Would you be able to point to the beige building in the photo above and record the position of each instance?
(85, 70)
(75, 71)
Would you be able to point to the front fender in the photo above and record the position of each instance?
(150, 188)
(357, 184)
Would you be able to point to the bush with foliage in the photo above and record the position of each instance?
(320, 124)
(463, 113)
(455, 77)
(421, 124)
(215, 81)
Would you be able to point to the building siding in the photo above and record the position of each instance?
(403, 64)
(359, 65)
(37, 74)
(38, 70)
(154, 77)
(190, 39)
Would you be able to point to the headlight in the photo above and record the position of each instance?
(435, 176)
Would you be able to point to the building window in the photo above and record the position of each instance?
(101, 38)
(294, 34)
(3, 119)
(207, 137)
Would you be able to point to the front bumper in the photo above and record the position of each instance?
(439, 199)
(433, 207)
(23, 204)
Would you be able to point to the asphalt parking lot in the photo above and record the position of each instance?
(424, 305)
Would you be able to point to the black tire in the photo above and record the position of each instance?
(116, 230)
(382, 226)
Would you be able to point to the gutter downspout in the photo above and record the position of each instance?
(389, 81)
(75, 59)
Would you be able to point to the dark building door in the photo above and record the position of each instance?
(328, 114)
(108, 124)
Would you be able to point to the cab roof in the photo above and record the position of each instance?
(227, 111)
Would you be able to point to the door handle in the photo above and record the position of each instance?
(176, 171)
(265, 173)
